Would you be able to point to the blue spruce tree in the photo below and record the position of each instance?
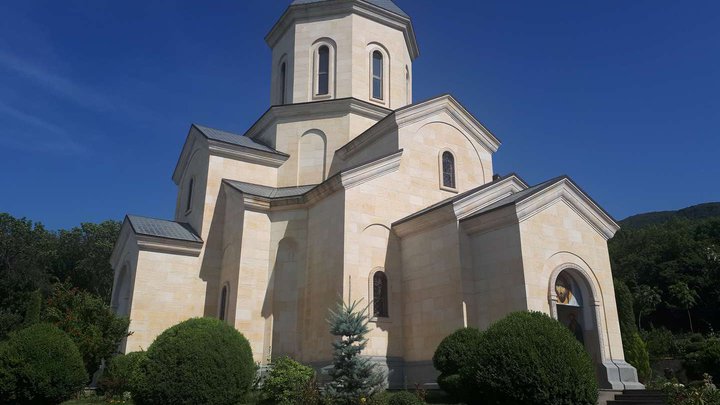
(353, 377)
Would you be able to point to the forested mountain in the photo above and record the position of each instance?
(700, 211)
(671, 262)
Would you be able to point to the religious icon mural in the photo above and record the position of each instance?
(567, 291)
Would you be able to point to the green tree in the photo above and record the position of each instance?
(83, 257)
(353, 377)
(27, 250)
(634, 348)
(685, 297)
(647, 299)
(89, 322)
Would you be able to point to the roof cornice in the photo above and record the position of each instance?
(223, 149)
(166, 245)
(312, 109)
(299, 12)
(561, 189)
(416, 112)
(250, 155)
(344, 180)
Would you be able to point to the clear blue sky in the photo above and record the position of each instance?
(96, 97)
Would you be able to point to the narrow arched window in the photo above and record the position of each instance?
(407, 85)
(448, 170)
(380, 295)
(188, 202)
(323, 74)
(377, 75)
(283, 81)
(223, 302)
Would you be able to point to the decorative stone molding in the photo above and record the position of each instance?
(417, 112)
(566, 191)
(317, 10)
(172, 246)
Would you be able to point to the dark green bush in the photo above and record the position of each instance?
(121, 372)
(705, 360)
(40, 365)
(286, 381)
(451, 355)
(198, 361)
(530, 359)
(661, 343)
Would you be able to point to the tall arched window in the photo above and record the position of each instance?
(283, 82)
(448, 170)
(323, 73)
(380, 295)
(377, 75)
(223, 303)
(188, 202)
(407, 85)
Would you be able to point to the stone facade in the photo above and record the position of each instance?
(335, 192)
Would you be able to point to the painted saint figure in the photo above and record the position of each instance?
(565, 291)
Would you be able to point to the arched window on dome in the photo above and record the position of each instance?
(377, 75)
(223, 303)
(323, 71)
(380, 295)
(448, 170)
(283, 83)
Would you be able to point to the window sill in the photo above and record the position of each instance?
(378, 101)
(380, 319)
(322, 96)
(450, 189)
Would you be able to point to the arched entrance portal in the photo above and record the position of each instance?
(573, 304)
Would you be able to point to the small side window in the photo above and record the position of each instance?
(223, 303)
(448, 170)
(188, 202)
(380, 295)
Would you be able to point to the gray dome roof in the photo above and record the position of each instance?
(384, 4)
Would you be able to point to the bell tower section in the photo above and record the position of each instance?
(334, 49)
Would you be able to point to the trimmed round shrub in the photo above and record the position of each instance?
(451, 355)
(529, 358)
(404, 398)
(40, 365)
(286, 381)
(704, 360)
(121, 372)
(198, 361)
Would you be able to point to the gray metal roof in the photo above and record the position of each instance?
(384, 4)
(235, 139)
(163, 228)
(270, 192)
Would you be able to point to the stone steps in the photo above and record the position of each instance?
(639, 397)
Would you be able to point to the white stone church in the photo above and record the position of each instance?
(346, 188)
